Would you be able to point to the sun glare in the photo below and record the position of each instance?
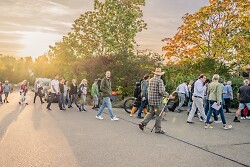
(37, 43)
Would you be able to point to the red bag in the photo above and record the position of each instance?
(245, 111)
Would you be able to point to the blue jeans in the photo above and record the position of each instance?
(143, 104)
(83, 101)
(73, 100)
(52, 97)
(212, 110)
(66, 98)
(106, 102)
(207, 106)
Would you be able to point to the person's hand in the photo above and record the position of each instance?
(143, 98)
(218, 103)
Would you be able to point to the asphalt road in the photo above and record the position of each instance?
(32, 136)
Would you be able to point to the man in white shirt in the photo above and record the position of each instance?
(55, 91)
(198, 96)
(182, 90)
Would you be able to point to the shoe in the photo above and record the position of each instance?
(164, 119)
(48, 108)
(208, 127)
(70, 107)
(190, 122)
(27, 103)
(242, 118)
(217, 122)
(228, 112)
(201, 120)
(160, 132)
(140, 117)
(236, 120)
(79, 109)
(19, 103)
(114, 118)
(4, 101)
(84, 110)
(131, 115)
(99, 117)
(247, 117)
(141, 126)
(42, 102)
(226, 127)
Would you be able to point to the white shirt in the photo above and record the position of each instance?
(199, 88)
(182, 88)
(55, 83)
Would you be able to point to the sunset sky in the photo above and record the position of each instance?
(28, 27)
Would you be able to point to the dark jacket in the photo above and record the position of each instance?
(73, 89)
(106, 87)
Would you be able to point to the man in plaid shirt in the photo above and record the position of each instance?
(156, 92)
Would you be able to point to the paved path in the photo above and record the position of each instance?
(32, 136)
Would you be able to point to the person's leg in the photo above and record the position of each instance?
(149, 116)
(35, 97)
(199, 104)
(141, 108)
(70, 101)
(83, 102)
(51, 100)
(206, 106)
(222, 116)
(181, 101)
(210, 111)
(193, 110)
(109, 105)
(238, 112)
(1, 98)
(145, 111)
(59, 98)
(40, 96)
(227, 104)
(133, 110)
(158, 118)
(101, 109)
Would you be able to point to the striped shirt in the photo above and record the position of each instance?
(156, 91)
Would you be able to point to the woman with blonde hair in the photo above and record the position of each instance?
(83, 93)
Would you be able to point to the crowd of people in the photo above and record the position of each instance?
(205, 98)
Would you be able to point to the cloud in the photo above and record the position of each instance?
(54, 18)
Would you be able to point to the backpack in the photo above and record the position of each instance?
(137, 90)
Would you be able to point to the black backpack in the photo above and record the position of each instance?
(137, 90)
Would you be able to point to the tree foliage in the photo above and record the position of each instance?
(219, 31)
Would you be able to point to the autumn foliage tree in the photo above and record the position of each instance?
(218, 32)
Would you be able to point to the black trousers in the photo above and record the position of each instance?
(227, 104)
(38, 94)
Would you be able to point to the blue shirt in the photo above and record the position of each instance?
(199, 88)
(226, 90)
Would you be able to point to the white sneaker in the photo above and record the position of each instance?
(217, 122)
(99, 117)
(114, 118)
(226, 127)
(247, 117)
(131, 115)
(242, 118)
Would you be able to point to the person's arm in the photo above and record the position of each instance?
(230, 92)
(219, 94)
(186, 90)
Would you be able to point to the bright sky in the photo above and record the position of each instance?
(28, 27)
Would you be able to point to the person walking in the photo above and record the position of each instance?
(38, 91)
(66, 94)
(215, 102)
(106, 93)
(23, 93)
(73, 94)
(95, 94)
(198, 96)
(182, 90)
(228, 95)
(83, 91)
(156, 92)
(244, 99)
(144, 96)
(61, 92)
(1, 93)
(55, 91)
(6, 90)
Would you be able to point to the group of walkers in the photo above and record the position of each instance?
(205, 98)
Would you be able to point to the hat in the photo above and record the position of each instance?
(158, 71)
